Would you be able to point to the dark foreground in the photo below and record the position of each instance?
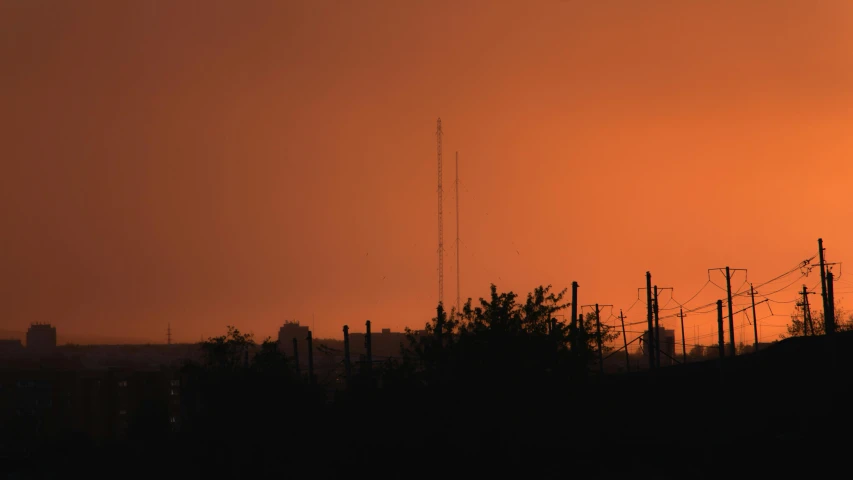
(781, 411)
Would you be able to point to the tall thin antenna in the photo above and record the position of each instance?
(440, 222)
(458, 288)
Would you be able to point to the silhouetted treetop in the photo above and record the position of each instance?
(500, 338)
(227, 351)
(797, 327)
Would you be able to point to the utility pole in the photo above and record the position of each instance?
(657, 331)
(830, 303)
(754, 318)
(721, 337)
(742, 336)
(830, 298)
(811, 320)
(598, 338)
(655, 337)
(310, 358)
(578, 342)
(367, 346)
(650, 319)
(598, 334)
(582, 338)
(728, 273)
(828, 318)
(807, 314)
(347, 366)
(296, 355)
(731, 315)
(625, 342)
(575, 305)
(683, 341)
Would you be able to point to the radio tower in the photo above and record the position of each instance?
(440, 222)
(458, 296)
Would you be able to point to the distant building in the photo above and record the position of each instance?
(103, 403)
(288, 332)
(667, 345)
(41, 338)
(11, 347)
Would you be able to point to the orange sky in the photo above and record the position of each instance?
(212, 163)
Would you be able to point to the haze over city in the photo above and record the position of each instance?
(247, 163)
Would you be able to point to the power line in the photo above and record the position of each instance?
(799, 267)
(681, 305)
(635, 302)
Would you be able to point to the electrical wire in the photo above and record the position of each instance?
(632, 305)
(681, 305)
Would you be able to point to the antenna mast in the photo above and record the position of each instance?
(440, 222)
(458, 289)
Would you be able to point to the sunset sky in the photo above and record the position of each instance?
(209, 163)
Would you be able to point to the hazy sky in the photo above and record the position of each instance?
(209, 163)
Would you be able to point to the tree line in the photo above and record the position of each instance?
(498, 381)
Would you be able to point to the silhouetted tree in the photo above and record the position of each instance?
(797, 326)
(227, 351)
(500, 338)
(270, 359)
(498, 360)
(242, 399)
(590, 331)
